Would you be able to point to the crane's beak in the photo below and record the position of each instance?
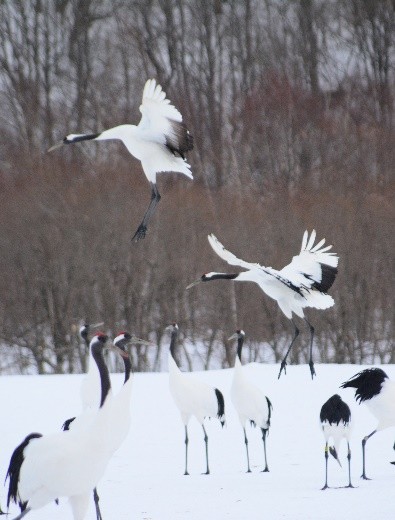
(56, 146)
(193, 283)
(138, 341)
(233, 336)
(95, 325)
(119, 350)
(333, 452)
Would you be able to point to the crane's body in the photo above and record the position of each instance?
(374, 388)
(67, 463)
(335, 418)
(193, 398)
(159, 141)
(250, 402)
(302, 283)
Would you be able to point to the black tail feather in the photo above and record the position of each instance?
(14, 470)
(221, 406)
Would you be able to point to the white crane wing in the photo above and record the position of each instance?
(312, 264)
(231, 259)
(157, 113)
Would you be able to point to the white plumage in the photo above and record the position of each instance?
(302, 283)
(249, 401)
(335, 418)
(374, 388)
(193, 397)
(68, 463)
(159, 141)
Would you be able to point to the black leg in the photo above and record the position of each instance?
(206, 442)
(248, 457)
(186, 450)
(142, 229)
(349, 466)
(284, 361)
(25, 512)
(311, 364)
(326, 466)
(363, 454)
(96, 499)
(264, 432)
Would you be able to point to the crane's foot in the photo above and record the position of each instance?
(312, 370)
(186, 473)
(349, 486)
(282, 367)
(365, 477)
(325, 487)
(266, 470)
(140, 233)
(393, 462)
(206, 472)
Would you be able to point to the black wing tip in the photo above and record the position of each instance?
(328, 276)
(66, 424)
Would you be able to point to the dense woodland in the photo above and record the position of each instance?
(291, 105)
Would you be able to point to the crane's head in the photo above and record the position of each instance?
(173, 327)
(239, 334)
(207, 277)
(123, 339)
(84, 331)
(98, 342)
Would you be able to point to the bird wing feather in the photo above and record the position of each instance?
(231, 259)
(157, 113)
(305, 268)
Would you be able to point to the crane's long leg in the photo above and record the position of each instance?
(206, 442)
(326, 466)
(284, 361)
(25, 512)
(311, 364)
(248, 457)
(349, 466)
(96, 499)
(186, 450)
(264, 432)
(363, 454)
(142, 229)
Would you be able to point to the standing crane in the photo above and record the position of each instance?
(249, 401)
(159, 141)
(302, 283)
(335, 418)
(374, 388)
(67, 463)
(193, 397)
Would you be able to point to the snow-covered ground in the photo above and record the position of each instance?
(145, 481)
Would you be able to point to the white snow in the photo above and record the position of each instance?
(145, 481)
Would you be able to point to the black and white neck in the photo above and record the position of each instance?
(121, 341)
(97, 346)
(239, 335)
(173, 328)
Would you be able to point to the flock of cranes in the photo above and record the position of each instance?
(71, 462)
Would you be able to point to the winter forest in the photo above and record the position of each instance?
(292, 108)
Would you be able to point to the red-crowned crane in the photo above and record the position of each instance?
(335, 418)
(250, 402)
(193, 397)
(67, 463)
(159, 141)
(302, 283)
(374, 388)
(120, 413)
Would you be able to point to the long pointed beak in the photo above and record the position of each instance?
(193, 283)
(56, 146)
(119, 351)
(233, 336)
(333, 452)
(139, 341)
